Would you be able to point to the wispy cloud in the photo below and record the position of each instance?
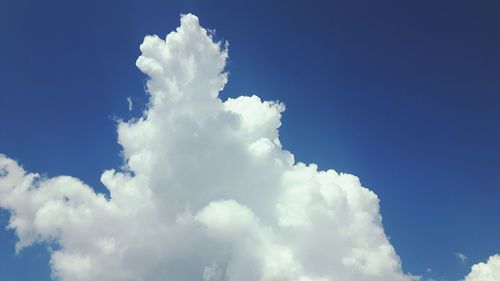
(461, 257)
(130, 104)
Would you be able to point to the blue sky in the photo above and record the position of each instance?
(405, 95)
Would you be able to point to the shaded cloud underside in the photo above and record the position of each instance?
(206, 193)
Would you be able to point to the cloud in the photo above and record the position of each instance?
(207, 191)
(130, 104)
(461, 257)
(489, 271)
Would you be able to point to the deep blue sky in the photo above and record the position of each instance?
(403, 94)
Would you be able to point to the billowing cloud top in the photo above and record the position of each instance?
(489, 271)
(206, 193)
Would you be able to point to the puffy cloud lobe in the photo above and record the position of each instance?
(206, 193)
(489, 271)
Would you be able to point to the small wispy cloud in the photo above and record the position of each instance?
(130, 104)
(461, 256)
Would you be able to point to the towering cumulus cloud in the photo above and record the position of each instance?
(206, 193)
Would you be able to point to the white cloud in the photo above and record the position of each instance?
(489, 271)
(461, 257)
(207, 192)
(130, 104)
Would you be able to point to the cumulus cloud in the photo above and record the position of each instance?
(489, 271)
(207, 191)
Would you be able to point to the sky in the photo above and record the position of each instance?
(403, 95)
